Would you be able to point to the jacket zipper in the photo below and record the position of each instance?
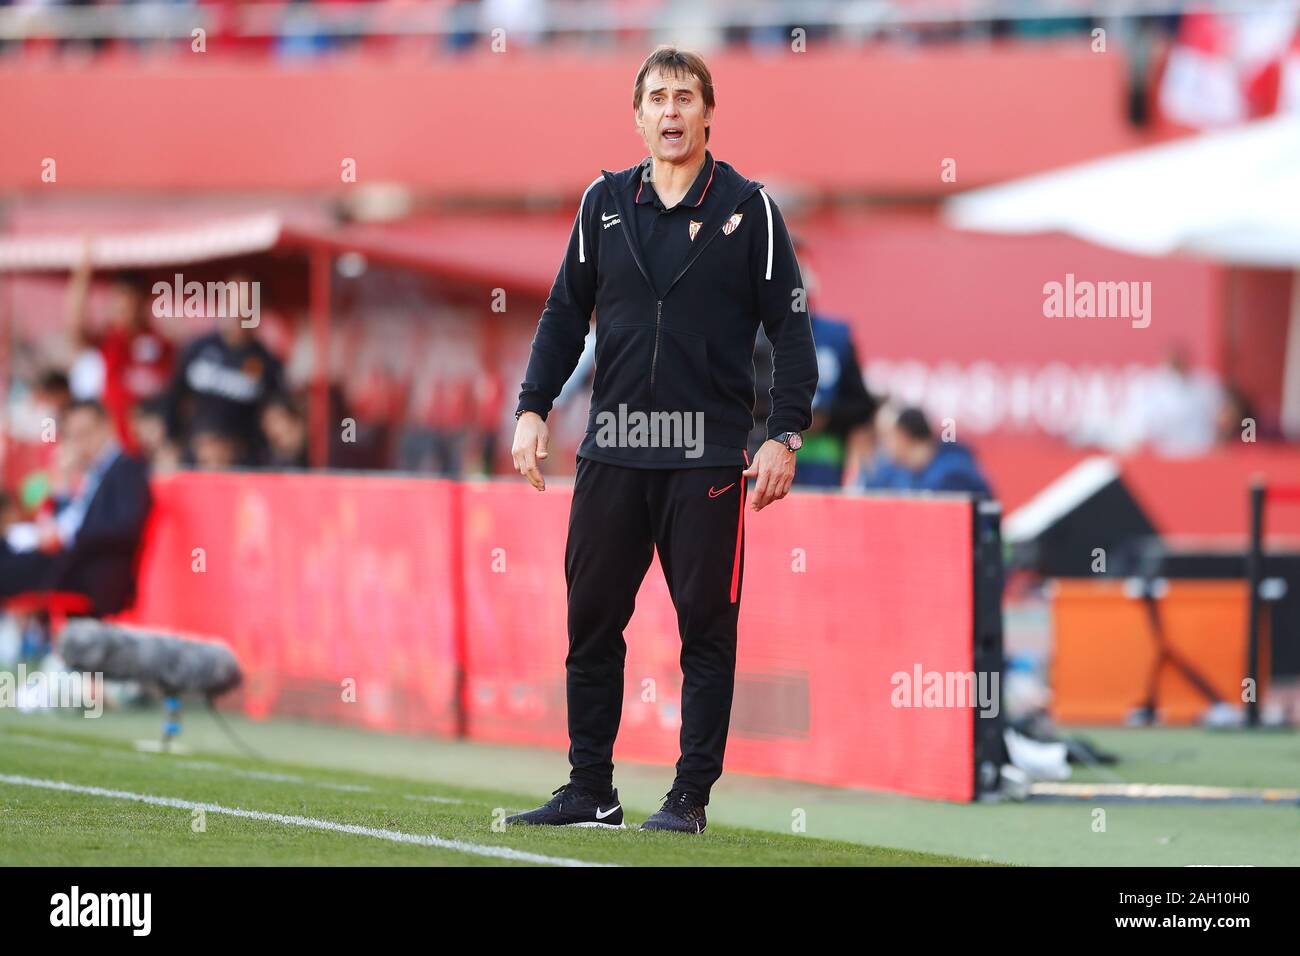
(654, 359)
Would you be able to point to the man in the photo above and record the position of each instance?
(136, 360)
(223, 380)
(840, 436)
(681, 258)
(915, 460)
(89, 543)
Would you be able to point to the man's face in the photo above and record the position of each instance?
(124, 308)
(214, 450)
(84, 433)
(672, 116)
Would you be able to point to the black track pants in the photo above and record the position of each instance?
(695, 517)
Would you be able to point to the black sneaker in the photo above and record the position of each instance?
(682, 812)
(572, 806)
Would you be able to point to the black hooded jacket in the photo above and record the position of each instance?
(688, 347)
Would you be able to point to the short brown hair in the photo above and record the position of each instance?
(669, 59)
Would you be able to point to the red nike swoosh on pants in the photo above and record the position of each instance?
(721, 491)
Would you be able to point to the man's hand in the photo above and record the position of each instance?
(529, 448)
(774, 468)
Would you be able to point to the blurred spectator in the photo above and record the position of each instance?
(52, 393)
(87, 541)
(10, 511)
(439, 417)
(842, 406)
(215, 445)
(842, 409)
(222, 381)
(1171, 410)
(50, 396)
(133, 362)
(286, 433)
(913, 458)
(1237, 421)
(149, 435)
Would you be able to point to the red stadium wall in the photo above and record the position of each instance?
(314, 579)
(875, 120)
(886, 586)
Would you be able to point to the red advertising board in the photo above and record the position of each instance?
(840, 594)
(325, 583)
(331, 590)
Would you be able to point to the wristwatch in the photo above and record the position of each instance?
(791, 440)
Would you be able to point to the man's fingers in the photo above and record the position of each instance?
(524, 461)
(543, 439)
(762, 489)
(535, 479)
(751, 471)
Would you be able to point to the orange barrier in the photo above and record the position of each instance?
(1105, 649)
(401, 584)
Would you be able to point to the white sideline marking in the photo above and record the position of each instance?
(393, 836)
(147, 755)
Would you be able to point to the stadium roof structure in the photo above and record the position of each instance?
(516, 251)
(1230, 195)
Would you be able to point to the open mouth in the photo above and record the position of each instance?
(672, 133)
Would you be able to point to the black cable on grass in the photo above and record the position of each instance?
(229, 731)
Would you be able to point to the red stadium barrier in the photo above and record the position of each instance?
(313, 579)
(885, 587)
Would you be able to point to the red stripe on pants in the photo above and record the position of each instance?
(740, 530)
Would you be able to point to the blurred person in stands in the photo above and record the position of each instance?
(87, 541)
(285, 428)
(1236, 422)
(489, 407)
(915, 459)
(51, 394)
(840, 436)
(215, 445)
(1172, 410)
(224, 379)
(149, 436)
(11, 512)
(134, 361)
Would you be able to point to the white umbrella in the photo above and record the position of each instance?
(1230, 195)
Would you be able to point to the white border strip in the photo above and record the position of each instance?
(393, 836)
(768, 206)
(582, 249)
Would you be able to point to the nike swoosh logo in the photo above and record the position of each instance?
(602, 815)
(722, 491)
(605, 218)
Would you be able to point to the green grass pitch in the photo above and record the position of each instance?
(340, 796)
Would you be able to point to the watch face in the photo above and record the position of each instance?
(795, 441)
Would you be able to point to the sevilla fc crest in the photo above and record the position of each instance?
(730, 226)
(695, 227)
